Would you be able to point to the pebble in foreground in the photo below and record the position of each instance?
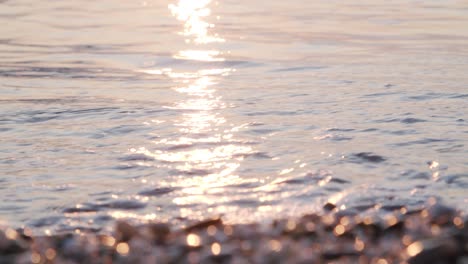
(436, 234)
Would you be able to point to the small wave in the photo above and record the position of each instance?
(423, 142)
(137, 157)
(340, 138)
(401, 132)
(366, 157)
(115, 204)
(123, 204)
(460, 96)
(46, 221)
(461, 178)
(416, 175)
(259, 155)
(313, 178)
(244, 185)
(369, 130)
(124, 129)
(339, 180)
(158, 191)
(428, 96)
(190, 172)
(264, 131)
(280, 113)
(302, 68)
(88, 208)
(409, 120)
(380, 94)
(39, 116)
(340, 129)
(65, 100)
(450, 149)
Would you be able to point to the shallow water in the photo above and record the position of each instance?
(155, 110)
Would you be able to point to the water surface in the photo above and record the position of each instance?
(179, 110)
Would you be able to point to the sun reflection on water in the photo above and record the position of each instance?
(204, 155)
(199, 55)
(192, 13)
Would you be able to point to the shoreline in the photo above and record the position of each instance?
(435, 234)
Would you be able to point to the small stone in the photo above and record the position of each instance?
(125, 231)
(436, 251)
(391, 208)
(11, 246)
(441, 214)
(25, 234)
(204, 224)
(329, 206)
(372, 230)
(350, 212)
(73, 249)
(160, 231)
(332, 255)
(338, 236)
(221, 258)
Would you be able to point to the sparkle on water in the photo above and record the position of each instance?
(250, 110)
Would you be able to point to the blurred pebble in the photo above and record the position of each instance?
(125, 231)
(435, 251)
(436, 234)
(329, 206)
(204, 224)
(159, 231)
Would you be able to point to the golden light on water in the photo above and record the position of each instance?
(128, 215)
(193, 13)
(196, 29)
(199, 55)
(204, 154)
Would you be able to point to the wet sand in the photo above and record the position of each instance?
(436, 234)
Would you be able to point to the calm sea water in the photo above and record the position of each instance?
(254, 110)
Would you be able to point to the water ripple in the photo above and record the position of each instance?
(211, 108)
